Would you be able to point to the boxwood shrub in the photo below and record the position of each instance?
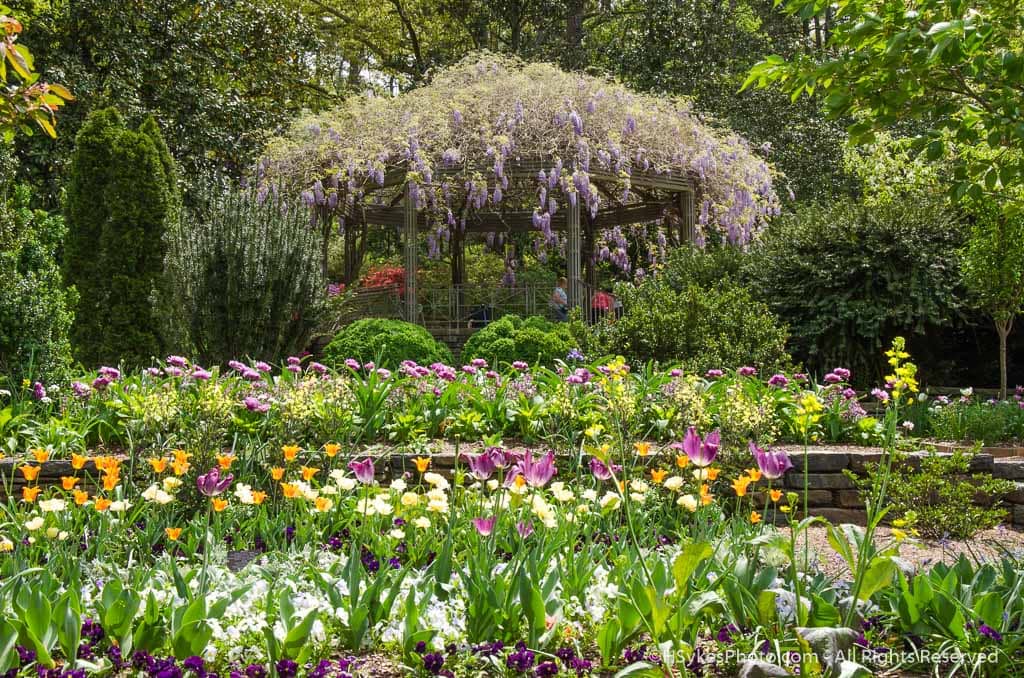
(386, 342)
(535, 340)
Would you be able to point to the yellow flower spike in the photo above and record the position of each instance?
(159, 465)
(276, 472)
(290, 452)
(422, 463)
(219, 504)
(40, 454)
(172, 533)
(68, 482)
(331, 450)
(898, 534)
(755, 517)
(308, 473)
(658, 475)
(224, 461)
(785, 509)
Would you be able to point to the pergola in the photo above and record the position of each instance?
(499, 146)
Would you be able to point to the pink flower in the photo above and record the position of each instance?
(211, 484)
(485, 526)
(773, 463)
(363, 470)
(537, 472)
(701, 452)
(480, 465)
(524, 529)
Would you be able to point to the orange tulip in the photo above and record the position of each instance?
(755, 517)
(682, 461)
(740, 485)
(323, 504)
(775, 495)
(40, 454)
(30, 472)
(181, 456)
(78, 461)
(225, 461)
(68, 482)
(173, 533)
(110, 481)
(290, 452)
(277, 473)
(422, 463)
(29, 494)
(706, 499)
(642, 448)
(219, 504)
(290, 491)
(180, 467)
(754, 474)
(658, 475)
(713, 473)
(102, 504)
(332, 449)
(159, 464)
(81, 496)
(258, 497)
(308, 473)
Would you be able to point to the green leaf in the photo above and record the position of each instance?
(878, 575)
(687, 562)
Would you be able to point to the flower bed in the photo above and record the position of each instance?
(643, 546)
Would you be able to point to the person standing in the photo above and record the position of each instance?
(560, 300)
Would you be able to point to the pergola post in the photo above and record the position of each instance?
(688, 217)
(573, 247)
(409, 242)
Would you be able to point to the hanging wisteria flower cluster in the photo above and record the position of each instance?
(457, 138)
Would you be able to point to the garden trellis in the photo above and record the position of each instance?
(496, 146)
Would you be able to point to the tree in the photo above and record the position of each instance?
(992, 265)
(955, 67)
(118, 205)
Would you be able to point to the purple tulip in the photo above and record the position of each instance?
(600, 470)
(778, 381)
(485, 526)
(524, 529)
(363, 470)
(537, 472)
(701, 452)
(773, 463)
(211, 484)
(498, 457)
(480, 465)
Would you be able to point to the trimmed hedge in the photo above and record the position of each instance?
(387, 343)
(535, 340)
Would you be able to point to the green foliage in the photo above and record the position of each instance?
(387, 343)
(957, 67)
(35, 308)
(534, 340)
(979, 421)
(119, 200)
(848, 277)
(243, 278)
(941, 494)
(704, 327)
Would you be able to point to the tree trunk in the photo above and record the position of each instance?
(1003, 328)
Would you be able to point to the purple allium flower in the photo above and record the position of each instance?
(353, 364)
(200, 374)
(778, 381)
(80, 390)
(111, 373)
(772, 463)
(713, 374)
(177, 361)
(100, 383)
(519, 365)
(747, 371)
(832, 378)
(38, 391)
(211, 484)
(843, 373)
(675, 373)
(702, 452)
(799, 376)
(154, 372)
(237, 366)
(318, 368)
(363, 470)
(250, 374)
(262, 366)
(485, 526)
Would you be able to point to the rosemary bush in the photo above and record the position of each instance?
(244, 277)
